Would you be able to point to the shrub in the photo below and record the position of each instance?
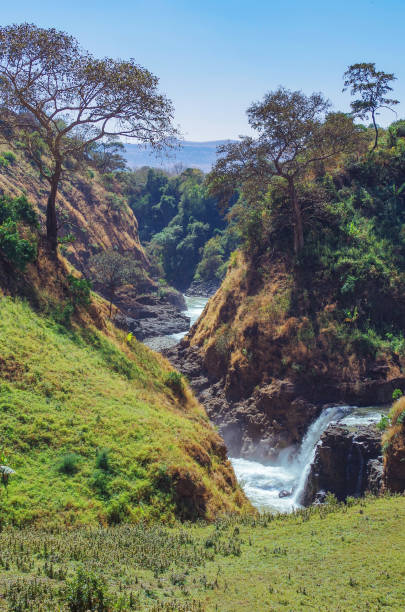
(175, 382)
(69, 464)
(14, 247)
(10, 156)
(87, 591)
(401, 418)
(17, 250)
(384, 422)
(79, 290)
(117, 511)
(100, 483)
(103, 460)
(62, 314)
(396, 394)
(4, 163)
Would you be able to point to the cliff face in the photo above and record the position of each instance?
(347, 463)
(98, 218)
(271, 356)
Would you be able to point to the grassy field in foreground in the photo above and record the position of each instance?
(327, 558)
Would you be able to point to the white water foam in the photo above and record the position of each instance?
(289, 472)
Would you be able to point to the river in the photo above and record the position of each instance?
(263, 483)
(194, 307)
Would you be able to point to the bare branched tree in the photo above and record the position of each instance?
(74, 100)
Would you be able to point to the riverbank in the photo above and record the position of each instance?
(194, 306)
(278, 483)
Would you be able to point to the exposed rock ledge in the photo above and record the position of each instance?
(149, 316)
(275, 415)
(347, 463)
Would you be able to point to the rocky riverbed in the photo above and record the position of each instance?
(348, 462)
(151, 316)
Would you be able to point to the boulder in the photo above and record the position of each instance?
(347, 463)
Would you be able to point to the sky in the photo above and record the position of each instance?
(215, 57)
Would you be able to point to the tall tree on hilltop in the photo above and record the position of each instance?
(75, 100)
(372, 86)
(295, 132)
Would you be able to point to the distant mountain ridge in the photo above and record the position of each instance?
(190, 154)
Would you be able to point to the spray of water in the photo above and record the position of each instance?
(289, 473)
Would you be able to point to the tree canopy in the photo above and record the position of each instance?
(372, 87)
(295, 132)
(74, 99)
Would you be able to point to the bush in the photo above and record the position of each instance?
(87, 592)
(14, 247)
(17, 250)
(383, 423)
(396, 394)
(69, 464)
(10, 157)
(103, 460)
(100, 483)
(401, 418)
(79, 290)
(62, 314)
(175, 382)
(117, 511)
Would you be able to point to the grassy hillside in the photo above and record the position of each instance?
(330, 558)
(98, 432)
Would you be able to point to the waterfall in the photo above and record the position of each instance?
(289, 473)
(309, 443)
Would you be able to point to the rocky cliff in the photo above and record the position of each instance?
(347, 463)
(266, 355)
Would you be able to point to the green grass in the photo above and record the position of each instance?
(73, 393)
(331, 558)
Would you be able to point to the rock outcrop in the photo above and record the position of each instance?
(347, 463)
(257, 427)
(150, 316)
(264, 361)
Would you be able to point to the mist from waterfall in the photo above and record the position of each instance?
(288, 474)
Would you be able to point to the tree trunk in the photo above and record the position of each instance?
(51, 220)
(376, 131)
(298, 225)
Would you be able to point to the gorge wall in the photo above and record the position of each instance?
(266, 356)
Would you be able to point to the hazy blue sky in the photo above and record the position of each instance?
(214, 57)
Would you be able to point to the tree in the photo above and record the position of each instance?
(74, 100)
(372, 86)
(295, 132)
(111, 270)
(107, 155)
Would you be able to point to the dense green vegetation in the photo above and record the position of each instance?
(322, 558)
(17, 240)
(181, 223)
(354, 252)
